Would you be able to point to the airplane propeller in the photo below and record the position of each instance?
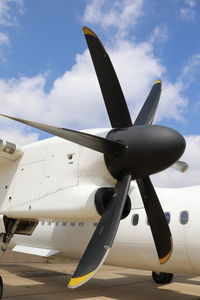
(132, 151)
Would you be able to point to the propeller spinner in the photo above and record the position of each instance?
(131, 151)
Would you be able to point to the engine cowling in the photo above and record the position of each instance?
(104, 196)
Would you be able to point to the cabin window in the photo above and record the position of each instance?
(184, 217)
(168, 217)
(81, 224)
(64, 223)
(95, 224)
(43, 222)
(73, 224)
(135, 219)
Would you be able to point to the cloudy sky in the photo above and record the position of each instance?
(46, 73)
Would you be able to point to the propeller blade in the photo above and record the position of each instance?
(103, 237)
(147, 113)
(180, 166)
(93, 142)
(110, 87)
(157, 220)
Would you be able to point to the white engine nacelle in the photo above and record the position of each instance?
(71, 204)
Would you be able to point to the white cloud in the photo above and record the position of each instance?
(19, 136)
(9, 10)
(136, 70)
(117, 14)
(4, 42)
(159, 35)
(172, 101)
(188, 12)
(197, 105)
(191, 70)
(4, 39)
(24, 96)
(173, 178)
(75, 100)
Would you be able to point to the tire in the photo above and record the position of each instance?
(162, 278)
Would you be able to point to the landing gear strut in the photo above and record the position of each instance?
(1, 287)
(162, 278)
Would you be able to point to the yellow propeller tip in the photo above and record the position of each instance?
(164, 259)
(77, 281)
(157, 81)
(88, 31)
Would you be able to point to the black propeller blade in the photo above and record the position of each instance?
(93, 142)
(130, 152)
(111, 90)
(147, 113)
(156, 218)
(103, 237)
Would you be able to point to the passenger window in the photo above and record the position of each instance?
(81, 224)
(168, 217)
(184, 217)
(135, 219)
(64, 223)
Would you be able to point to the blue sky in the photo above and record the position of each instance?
(46, 72)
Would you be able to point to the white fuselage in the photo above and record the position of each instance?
(133, 246)
(55, 182)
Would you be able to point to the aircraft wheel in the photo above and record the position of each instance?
(1, 287)
(162, 278)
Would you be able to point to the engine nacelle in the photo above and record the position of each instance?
(103, 197)
(72, 204)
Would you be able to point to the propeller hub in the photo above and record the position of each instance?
(149, 149)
